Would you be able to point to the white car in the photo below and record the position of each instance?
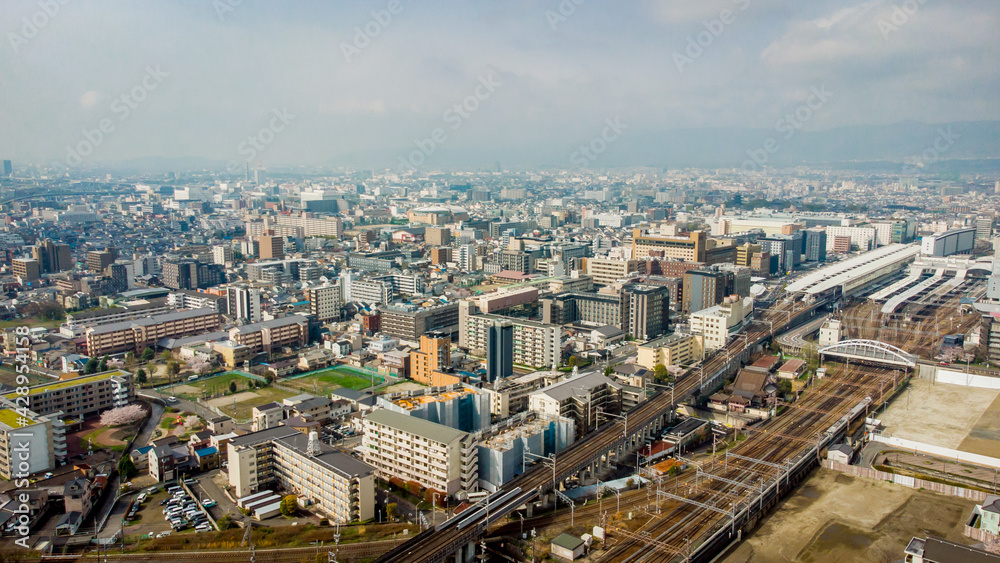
(171, 399)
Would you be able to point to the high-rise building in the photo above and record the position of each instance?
(244, 303)
(324, 302)
(607, 271)
(702, 289)
(25, 268)
(99, 260)
(429, 364)
(8, 169)
(191, 274)
(688, 246)
(984, 228)
(437, 236)
(815, 245)
(52, 258)
(221, 254)
(122, 276)
(500, 351)
(271, 247)
(645, 310)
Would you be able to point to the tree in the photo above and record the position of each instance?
(289, 505)
(130, 361)
(608, 371)
(140, 376)
(173, 368)
(126, 467)
(91, 366)
(122, 415)
(232, 386)
(148, 354)
(166, 355)
(572, 361)
(785, 387)
(103, 366)
(660, 372)
(225, 522)
(391, 511)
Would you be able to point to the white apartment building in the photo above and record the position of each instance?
(29, 442)
(371, 291)
(222, 254)
(339, 486)
(413, 449)
(715, 324)
(863, 237)
(324, 301)
(536, 344)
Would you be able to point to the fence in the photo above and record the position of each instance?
(905, 480)
(938, 451)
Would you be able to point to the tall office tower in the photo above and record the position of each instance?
(99, 260)
(815, 245)
(467, 257)
(984, 228)
(8, 170)
(645, 310)
(271, 247)
(324, 302)
(52, 258)
(122, 276)
(244, 303)
(500, 351)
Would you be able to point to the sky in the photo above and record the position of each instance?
(401, 83)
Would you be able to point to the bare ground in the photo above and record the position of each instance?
(834, 517)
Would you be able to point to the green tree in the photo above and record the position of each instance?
(391, 511)
(232, 386)
(166, 355)
(785, 387)
(126, 467)
(289, 505)
(140, 376)
(91, 366)
(608, 371)
(173, 368)
(103, 366)
(148, 354)
(225, 522)
(572, 361)
(130, 361)
(660, 372)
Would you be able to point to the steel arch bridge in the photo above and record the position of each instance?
(870, 351)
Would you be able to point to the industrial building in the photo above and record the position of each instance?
(457, 406)
(502, 450)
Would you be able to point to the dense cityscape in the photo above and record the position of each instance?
(495, 286)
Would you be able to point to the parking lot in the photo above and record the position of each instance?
(148, 519)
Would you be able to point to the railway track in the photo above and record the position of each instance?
(678, 534)
(345, 552)
(437, 544)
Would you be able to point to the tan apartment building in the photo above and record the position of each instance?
(137, 334)
(80, 396)
(436, 456)
(687, 246)
(266, 336)
(607, 271)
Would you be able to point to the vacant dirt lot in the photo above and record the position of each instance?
(834, 518)
(942, 414)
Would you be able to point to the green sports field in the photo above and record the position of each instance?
(325, 381)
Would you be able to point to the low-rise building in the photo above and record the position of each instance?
(715, 324)
(671, 350)
(79, 396)
(581, 399)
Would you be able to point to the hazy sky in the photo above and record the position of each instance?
(555, 71)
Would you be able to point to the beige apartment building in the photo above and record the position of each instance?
(339, 486)
(80, 396)
(413, 449)
(137, 334)
(267, 336)
(607, 271)
(686, 246)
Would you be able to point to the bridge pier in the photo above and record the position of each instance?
(470, 552)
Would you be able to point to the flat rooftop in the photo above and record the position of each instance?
(56, 385)
(410, 403)
(860, 266)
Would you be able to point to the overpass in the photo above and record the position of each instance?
(590, 456)
(870, 351)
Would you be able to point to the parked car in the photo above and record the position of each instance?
(208, 503)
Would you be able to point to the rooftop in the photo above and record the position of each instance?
(147, 321)
(66, 383)
(857, 267)
(423, 428)
(12, 419)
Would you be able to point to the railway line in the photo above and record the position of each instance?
(287, 555)
(439, 543)
(757, 461)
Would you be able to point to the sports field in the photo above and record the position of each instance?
(209, 387)
(325, 381)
